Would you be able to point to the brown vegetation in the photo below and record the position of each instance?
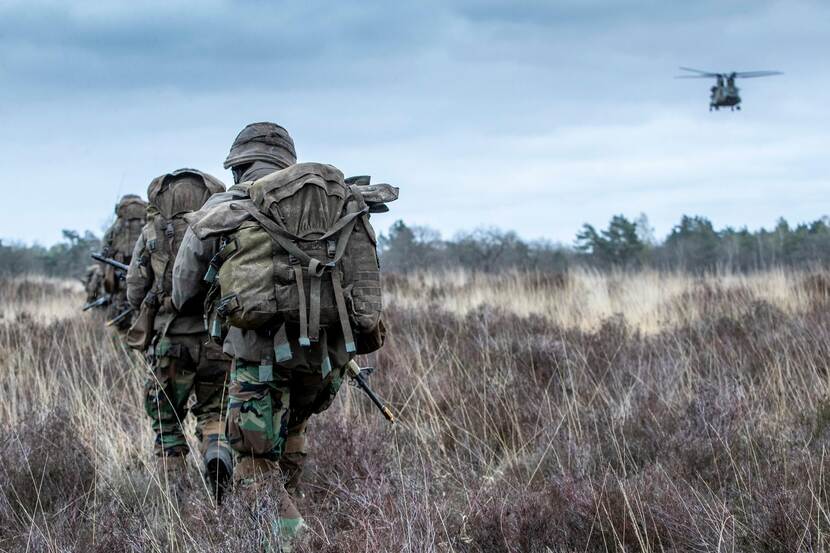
(580, 412)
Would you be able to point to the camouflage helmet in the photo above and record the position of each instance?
(264, 142)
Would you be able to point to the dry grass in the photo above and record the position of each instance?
(577, 412)
(584, 299)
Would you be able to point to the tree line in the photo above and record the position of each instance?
(693, 245)
(67, 258)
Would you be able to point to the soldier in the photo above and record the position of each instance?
(284, 369)
(118, 244)
(94, 285)
(184, 361)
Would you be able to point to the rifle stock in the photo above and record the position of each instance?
(357, 375)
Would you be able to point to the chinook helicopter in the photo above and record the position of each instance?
(724, 94)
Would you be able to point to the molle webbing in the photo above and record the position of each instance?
(303, 312)
(342, 313)
(314, 307)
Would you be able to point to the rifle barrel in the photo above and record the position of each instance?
(100, 301)
(118, 318)
(109, 261)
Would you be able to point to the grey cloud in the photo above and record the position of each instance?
(218, 45)
(532, 115)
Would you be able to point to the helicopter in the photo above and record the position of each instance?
(724, 93)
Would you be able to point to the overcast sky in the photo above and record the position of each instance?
(532, 116)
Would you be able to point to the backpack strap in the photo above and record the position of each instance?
(160, 243)
(342, 229)
(286, 239)
(298, 278)
(282, 349)
(348, 337)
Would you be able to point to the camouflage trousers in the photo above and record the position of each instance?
(184, 365)
(268, 411)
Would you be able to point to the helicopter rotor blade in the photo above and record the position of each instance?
(693, 77)
(753, 74)
(702, 73)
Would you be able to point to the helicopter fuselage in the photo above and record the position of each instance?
(724, 96)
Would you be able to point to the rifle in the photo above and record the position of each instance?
(120, 317)
(103, 300)
(112, 263)
(356, 373)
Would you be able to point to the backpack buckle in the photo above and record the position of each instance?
(292, 260)
(227, 305)
(331, 248)
(170, 230)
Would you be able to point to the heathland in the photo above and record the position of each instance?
(573, 411)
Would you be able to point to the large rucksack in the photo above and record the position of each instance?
(171, 197)
(130, 215)
(301, 250)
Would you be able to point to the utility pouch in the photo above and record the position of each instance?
(141, 332)
(367, 342)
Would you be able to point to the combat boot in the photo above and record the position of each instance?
(290, 526)
(252, 476)
(218, 469)
(249, 471)
(292, 461)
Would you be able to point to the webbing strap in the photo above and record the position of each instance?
(341, 311)
(280, 236)
(343, 240)
(286, 239)
(164, 253)
(226, 248)
(347, 219)
(298, 277)
(314, 309)
(282, 349)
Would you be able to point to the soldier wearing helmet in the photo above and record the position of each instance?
(184, 361)
(267, 412)
(118, 243)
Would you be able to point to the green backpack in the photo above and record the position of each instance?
(171, 197)
(301, 251)
(120, 238)
(130, 216)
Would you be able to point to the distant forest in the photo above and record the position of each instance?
(693, 245)
(67, 258)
